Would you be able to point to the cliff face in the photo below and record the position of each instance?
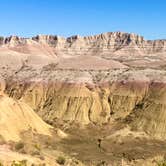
(149, 114)
(79, 102)
(105, 51)
(98, 79)
(133, 96)
(103, 43)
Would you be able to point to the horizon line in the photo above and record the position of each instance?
(66, 37)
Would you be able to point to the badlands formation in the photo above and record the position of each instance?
(106, 92)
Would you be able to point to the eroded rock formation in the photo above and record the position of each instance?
(97, 79)
(17, 117)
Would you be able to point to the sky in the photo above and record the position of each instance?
(28, 18)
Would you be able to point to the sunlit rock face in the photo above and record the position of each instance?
(81, 103)
(105, 51)
(135, 94)
(17, 117)
(98, 79)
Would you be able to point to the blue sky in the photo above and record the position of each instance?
(84, 17)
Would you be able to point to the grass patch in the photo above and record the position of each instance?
(19, 163)
(161, 163)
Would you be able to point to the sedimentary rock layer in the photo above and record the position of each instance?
(96, 79)
(17, 117)
(105, 51)
(138, 95)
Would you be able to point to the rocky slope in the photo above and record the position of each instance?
(113, 79)
(94, 79)
(103, 97)
(17, 117)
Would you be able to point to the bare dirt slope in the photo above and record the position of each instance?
(17, 117)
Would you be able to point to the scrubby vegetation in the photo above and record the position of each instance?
(37, 146)
(61, 160)
(19, 146)
(161, 163)
(102, 163)
(139, 106)
(19, 163)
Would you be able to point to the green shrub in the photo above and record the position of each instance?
(139, 106)
(37, 146)
(102, 163)
(61, 160)
(35, 153)
(19, 163)
(19, 145)
(161, 163)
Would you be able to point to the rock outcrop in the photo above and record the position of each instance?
(115, 49)
(105, 43)
(101, 99)
(80, 103)
(96, 79)
(149, 114)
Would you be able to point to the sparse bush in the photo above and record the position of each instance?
(35, 153)
(103, 114)
(41, 157)
(1, 38)
(43, 164)
(19, 163)
(37, 146)
(19, 146)
(61, 160)
(2, 141)
(139, 106)
(161, 163)
(102, 163)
